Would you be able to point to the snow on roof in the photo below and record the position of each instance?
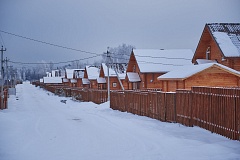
(203, 61)
(49, 74)
(73, 81)
(54, 73)
(92, 72)
(52, 79)
(184, 72)
(105, 71)
(70, 72)
(133, 77)
(226, 45)
(101, 80)
(112, 73)
(227, 35)
(85, 81)
(122, 75)
(79, 73)
(156, 60)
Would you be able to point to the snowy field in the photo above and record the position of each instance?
(37, 126)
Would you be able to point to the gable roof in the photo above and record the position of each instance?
(52, 79)
(105, 71)
(203, 61)
(156, 60)
(85, 81)
(101, 80)
(70, 72)
(112, 73)
(92, 72)
(133, 77)
(78, 73)
(184, 72)
(227, 36)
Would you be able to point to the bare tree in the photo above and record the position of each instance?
(119, 54)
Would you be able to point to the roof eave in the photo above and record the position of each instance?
(171, 79)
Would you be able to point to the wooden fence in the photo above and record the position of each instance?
(4, 101)
(81, 94)
(90, 95)
(154, 104)
(214, 109)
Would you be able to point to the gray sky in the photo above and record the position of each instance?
(94, 25)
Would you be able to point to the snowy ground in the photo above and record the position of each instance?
(37, 126)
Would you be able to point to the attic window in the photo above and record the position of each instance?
(208, 51)
(134, 68)
(114, 84)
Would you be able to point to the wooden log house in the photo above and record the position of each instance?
(219, 42)
(73, 77)
(145, 65)
(209, 74)
(78, 75)
(102, 80)
(89, 79)
(53, 77)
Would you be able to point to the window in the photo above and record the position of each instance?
(208, 51)
(134, 68)
(114, 84)
(136, 85)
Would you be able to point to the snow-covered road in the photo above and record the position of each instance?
(37, 126)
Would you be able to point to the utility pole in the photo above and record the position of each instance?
(2, 82)
(6, 60)
(108, 59)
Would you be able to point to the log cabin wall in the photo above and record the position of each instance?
(214, 77)
(79, 83)
(114, 83)
(94, 84)
(149, 80)
(125, 83)
(211, 77)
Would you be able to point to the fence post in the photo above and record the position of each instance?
(236, 115)
(174, 107)
(190, 104)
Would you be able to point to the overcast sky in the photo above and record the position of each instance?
(94, 25)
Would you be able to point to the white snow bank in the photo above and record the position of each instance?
(37, 126)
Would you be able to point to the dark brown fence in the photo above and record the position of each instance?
(214, 109)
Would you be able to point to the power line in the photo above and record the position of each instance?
(164, 57)
(69, 48)
(48, 43)
(52, 62)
